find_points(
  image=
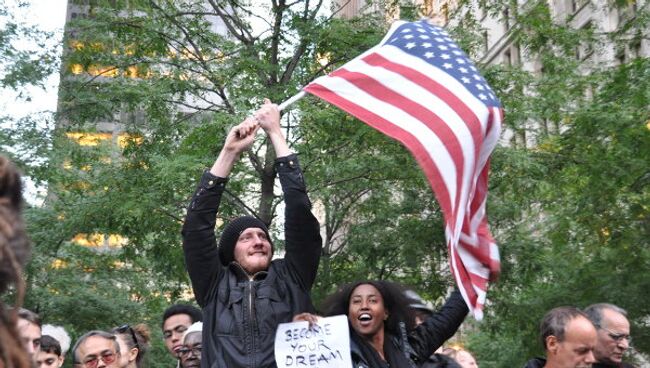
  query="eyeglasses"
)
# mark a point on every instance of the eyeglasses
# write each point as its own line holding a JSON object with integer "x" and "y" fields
{"x": 122, "y": 329}
{"x": 185, "y": 351}
{"x": 107, "y": 357}
{"x": 618, "y": 337}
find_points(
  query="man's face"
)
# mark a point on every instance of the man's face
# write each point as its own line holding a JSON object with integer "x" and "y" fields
{"x": 253, "y": 250}
{"x": 30, "y": 333}
{"x": 173, "y": 329}
{"x": 190, "y": 354}
{"x": 48, "y": 360}
{"x": 576, "y": 350}
{"x": 98, "y": 352}
{"x": 613, "y": 338}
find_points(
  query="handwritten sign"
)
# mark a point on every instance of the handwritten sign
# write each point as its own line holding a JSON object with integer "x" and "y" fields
{"x": 324, "y": 345}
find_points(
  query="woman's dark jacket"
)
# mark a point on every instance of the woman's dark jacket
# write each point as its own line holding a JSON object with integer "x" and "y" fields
{"x": 411, "y": 350}
{"x": 240, "y": 316}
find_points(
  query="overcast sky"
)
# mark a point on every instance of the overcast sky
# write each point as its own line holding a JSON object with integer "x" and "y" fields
{"x": 49, "y": 15}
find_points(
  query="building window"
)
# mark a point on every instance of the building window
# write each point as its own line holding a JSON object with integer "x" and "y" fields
{"x": 585, "y": 49}
{"x": 506, "y": 19}
{"x": 620, "y": 56}
{"x": 486, "y": 42}
{"x": 576, "y": 5}
{"x": 507, "y": 57}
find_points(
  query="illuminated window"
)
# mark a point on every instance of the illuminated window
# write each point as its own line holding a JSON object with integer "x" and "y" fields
{"x": 96, "y": 240}
{"x": 76, "y": 69}
{"x": 89, "y": 139}
{"x": 58, "y": 263}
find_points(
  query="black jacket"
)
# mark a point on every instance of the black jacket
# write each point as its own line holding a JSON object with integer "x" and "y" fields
{"x": 420, "y": 343}
{"x": 536, "y": 363}
{"x": 240, "y": 316}
{"x": 603, "y": 365}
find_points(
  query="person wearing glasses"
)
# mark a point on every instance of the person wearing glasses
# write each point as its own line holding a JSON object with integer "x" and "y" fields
{"x": 175, "y": 321}
{"x": 189, "y": 355}
{"x": 134, "y": 343}
{"x": 96, "y": 349}
{"x": 613, "y": 334}
{"x": 245, "y": 294}
{"x": 569, "y": 339}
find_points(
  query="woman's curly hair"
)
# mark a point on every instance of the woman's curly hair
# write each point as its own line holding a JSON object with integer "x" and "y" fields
{"x": 14, "y": 251}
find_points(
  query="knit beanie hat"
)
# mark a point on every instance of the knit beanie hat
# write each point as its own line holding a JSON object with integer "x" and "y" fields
{"x": 231, "y": 233}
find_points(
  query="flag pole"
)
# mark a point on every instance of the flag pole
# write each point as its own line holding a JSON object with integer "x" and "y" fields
{"x": 291, "y": 100}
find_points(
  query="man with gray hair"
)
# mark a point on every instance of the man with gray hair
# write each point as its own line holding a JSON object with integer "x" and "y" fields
{"x": 96, "y": 349}
{"x": 613, "y": 334}
{"x": 568, "y": 338}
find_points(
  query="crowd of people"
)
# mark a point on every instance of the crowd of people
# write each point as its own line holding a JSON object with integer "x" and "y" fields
{"x": 244, "y": 293}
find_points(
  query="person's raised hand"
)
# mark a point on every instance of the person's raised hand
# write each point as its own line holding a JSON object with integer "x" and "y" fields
{"x": 268, "y": 116}
{"x": 242, "y": 136}
{"x": 311, "y": 318}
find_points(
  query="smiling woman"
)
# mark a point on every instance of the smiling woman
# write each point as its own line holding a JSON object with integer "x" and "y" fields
{"x": 382, "y": 326}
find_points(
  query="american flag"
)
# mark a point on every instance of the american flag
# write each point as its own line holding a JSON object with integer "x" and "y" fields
{"x": 419, "y": 87}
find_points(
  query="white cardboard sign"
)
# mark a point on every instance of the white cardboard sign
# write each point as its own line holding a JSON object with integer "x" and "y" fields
{"x": 324, "y": 345}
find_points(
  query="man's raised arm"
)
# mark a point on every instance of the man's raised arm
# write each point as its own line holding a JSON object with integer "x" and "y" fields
{"x": 301, "y": 229}
{"x": 199, "y": 244}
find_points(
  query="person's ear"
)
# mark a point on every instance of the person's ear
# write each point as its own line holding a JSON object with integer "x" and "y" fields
{"x": 60, "y": 363}
{"x": 133, "y": 353}
{"x": 552, "y": 344}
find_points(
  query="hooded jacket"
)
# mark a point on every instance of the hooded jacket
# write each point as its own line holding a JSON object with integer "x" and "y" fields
{"x": 240, "y": 315}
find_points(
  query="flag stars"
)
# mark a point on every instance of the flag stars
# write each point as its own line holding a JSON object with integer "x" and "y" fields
{"x": 447, "y": 66}
{"x": 460, "y": 61}
{"x": 408, "y": 36}
{"x": 410, "y": 45}
{"x": 445, "y": 56}
{"x": 427, "y": 45}
{"x": 439, "y": 39}
{"x": 463, "y": 70}
{"x": 482, "y": 96}
{"x": 457, "y": 52}
{"x": 429, "y": 55}
{"x": 465, "y": 80}
{"x": 443, "y": 47}
{"x": 476, "y": 77}
{"x": 480, "y": 87}
{"x": 424, "y": 37}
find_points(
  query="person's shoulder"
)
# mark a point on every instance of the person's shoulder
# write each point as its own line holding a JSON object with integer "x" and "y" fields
{"x": 535, "y": 363}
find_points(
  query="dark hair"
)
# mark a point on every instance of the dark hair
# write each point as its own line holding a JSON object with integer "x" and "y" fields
{"x": 141, "y": 333}
{"x": 14, "y": 244}
{"x": 555, "y": 321}
{"x": 595, "y": 312}
{"x": 30, "y": 316}
{"x": 14, "y": 250}
{"x": 195, "y": 313}
{"x": 50, "y": 345}
{"x": 84, "y": 337}
{"x": 395, "y": 303}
